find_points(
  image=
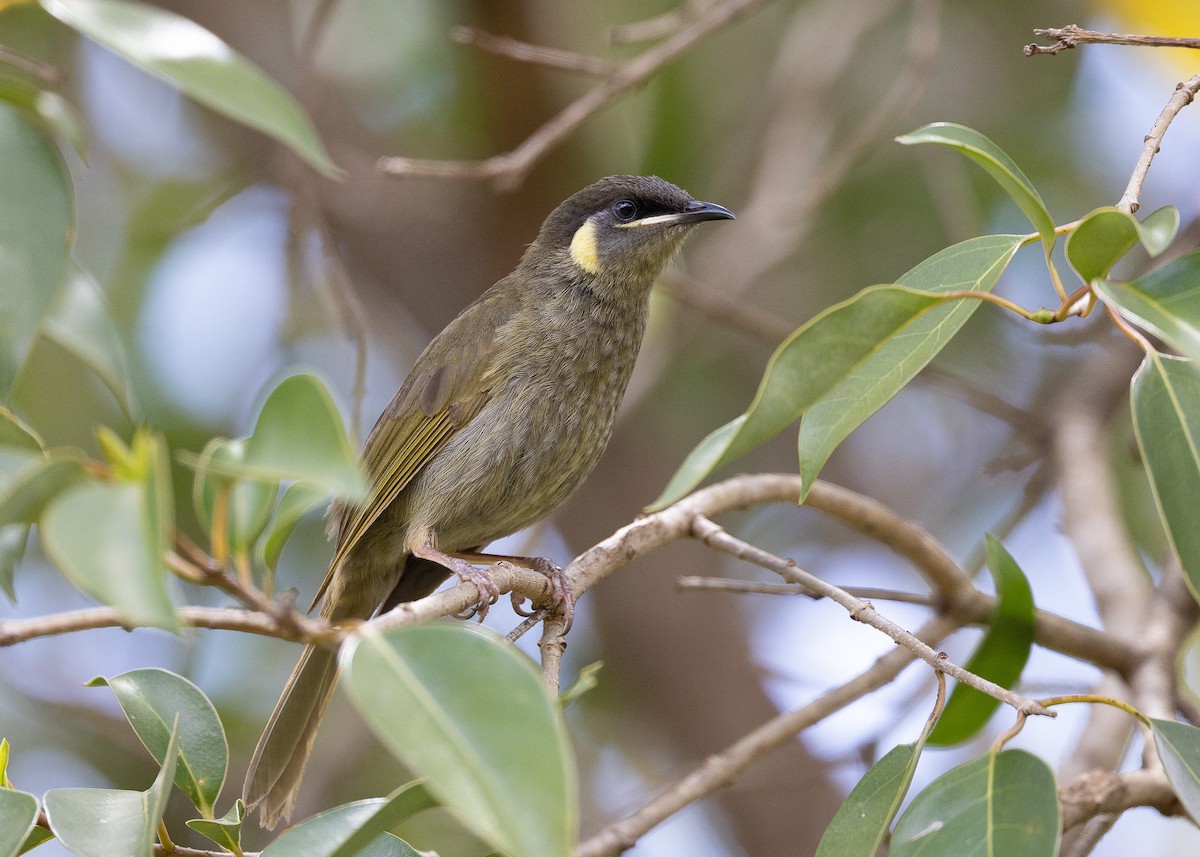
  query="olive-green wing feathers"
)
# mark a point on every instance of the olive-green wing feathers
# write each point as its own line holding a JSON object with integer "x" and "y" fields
{"x": 447, "y": 387}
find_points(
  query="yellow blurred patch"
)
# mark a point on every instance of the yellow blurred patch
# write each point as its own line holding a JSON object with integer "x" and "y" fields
{"x": 4, "y": 4}
{"x": 1159, "y": 18}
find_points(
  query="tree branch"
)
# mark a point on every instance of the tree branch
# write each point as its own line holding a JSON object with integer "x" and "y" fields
{"x": 1071, "y": 35}
{"x": 508, "y": 169}
{"x": 720, "y": 769}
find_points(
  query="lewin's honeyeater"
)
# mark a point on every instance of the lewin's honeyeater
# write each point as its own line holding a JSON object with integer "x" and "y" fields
{"x": 503, "y": 415}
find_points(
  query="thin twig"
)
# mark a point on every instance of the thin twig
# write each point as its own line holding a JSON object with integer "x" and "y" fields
{"x": 720, "y": 769}
{"x": 1071, "y": 35}
{"x": 1183, "y": 95}
{"x": 514, "y": 49}
{"x": 299, "y": 630}
{"x": 867, "y": 593}
{"x": 861, "y": 611}
{"x": 508, "y": 169}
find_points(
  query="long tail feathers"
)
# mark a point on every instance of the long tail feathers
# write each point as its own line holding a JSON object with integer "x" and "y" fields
{"x": 278, "y": 762}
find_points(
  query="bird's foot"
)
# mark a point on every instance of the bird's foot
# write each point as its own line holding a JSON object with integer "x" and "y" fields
{"x": 562, "y": 597}
{"x": 468, "y": 573}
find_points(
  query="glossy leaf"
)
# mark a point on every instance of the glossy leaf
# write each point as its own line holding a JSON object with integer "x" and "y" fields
{"x": 111, "y": 822}
{"x": 862, "y": 821}
{"x": 1000, "y": 803}
{"x": 35, "y": 229}
{"x": 78, "y": 321}
{"x": 1179, "y": 749}
{"x": 1001, "y": 655}
{"x": 1158, "y": 229}
{"x": 848, "y": 361}
{"x": 998, "y": 165}
{"x": 298, "y": 499}
{"x": 1099, "y": 242}
{"x": 152, "y": 699}
{"x": 1166, "y": 420}
{"x": 199, "y": 64}
{"x": 1105, "y": 235}
{"x": 469, "y": 714}
{"x": 1166, "y": 302}
{"x": 972, "y": 265}
{"x": 299, "y": 435}
{"x": 225, "y": 831}
{"x": 356, "y": 829}
{"x": 98, "y": 534}
{"x": 18, "y": 814}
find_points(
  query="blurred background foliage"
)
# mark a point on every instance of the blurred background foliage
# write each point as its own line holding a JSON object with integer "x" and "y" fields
{"x": 226, "y": 262}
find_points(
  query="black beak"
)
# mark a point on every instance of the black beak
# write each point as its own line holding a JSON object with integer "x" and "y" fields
{"x": 699, "y": 211}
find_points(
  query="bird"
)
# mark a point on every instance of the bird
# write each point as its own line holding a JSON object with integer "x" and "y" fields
{"x": 501, "y": 417}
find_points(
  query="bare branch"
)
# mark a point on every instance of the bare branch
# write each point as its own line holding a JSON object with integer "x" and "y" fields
{"x": 1183, "y": 95}
{"x": 1071, "y": 35}
{"x": 1100, "y": 792}
{"x": 861, "y": 611}
{"x": 535, "y": 54}
{"x": 720, "y": 769}
{"x": 510, "y": 168}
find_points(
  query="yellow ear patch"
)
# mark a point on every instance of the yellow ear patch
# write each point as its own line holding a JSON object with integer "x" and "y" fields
{"x": 584, "y": 251}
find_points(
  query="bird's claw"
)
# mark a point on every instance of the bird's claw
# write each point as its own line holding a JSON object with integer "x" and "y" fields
{"x": 489, "y": 593}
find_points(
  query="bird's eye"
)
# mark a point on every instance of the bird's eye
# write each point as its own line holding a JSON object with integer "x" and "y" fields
{"x": 624, "y": 210}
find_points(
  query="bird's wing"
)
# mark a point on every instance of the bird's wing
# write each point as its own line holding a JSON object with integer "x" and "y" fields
{"x": 448, "y": 386}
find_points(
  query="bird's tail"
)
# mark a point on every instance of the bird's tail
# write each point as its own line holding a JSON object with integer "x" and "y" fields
{"x": 278, "y": 762}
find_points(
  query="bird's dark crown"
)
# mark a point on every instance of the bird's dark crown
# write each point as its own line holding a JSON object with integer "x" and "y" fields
{"x": 650, "y": 194}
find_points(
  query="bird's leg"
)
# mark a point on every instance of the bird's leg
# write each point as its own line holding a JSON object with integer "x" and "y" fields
{"x": 461, "y": 565}
{"x": 562, "y": 597}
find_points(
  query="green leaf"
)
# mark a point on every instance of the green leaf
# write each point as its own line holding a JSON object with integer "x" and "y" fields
{"x": 296, "y": 501}
{"x": 469, "y": 713}
{"x": 18, "y": 814}
{"x": 12, "y": 549}
{"x": 584, "y": 682}
{"x": 249, "y": 501}
{"x": 998, "y": 165}
{"x": 972, "y": 265}
{"x": 1166, "y": 420}
{"x": 152, "y": 699}
{"x": 14, "y": 433}
{"x": 1001, "y": 803}
{"x": 36, "y": 837}
{"x": 1179, "y": 748}
{"x": 111, "y": 822}
{"x": 98, "y": 534}
{"x": 35, "y": 235}
{"x": 78, "y": 321}
{"x": 1105, "y": 235}
{"x": 1158, "y": 229}
{"x": 299, "y": 435}
{"x": 195, "y": 61}
{"x": 225, "y": 831}
{"x": 356, "y": 829}
{"x": 862, "y": 821}
{"x": 1001, "y": 655}
{"x": 59, "y": 115}
{"x": 848, "y": 361}
{"x": 1099, "y": 242}
{"x": 1166, "y": 302}
{"x": 28, "y": 482}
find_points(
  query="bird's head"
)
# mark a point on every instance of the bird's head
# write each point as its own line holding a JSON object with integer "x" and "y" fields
{"x": 625, "y": 227}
